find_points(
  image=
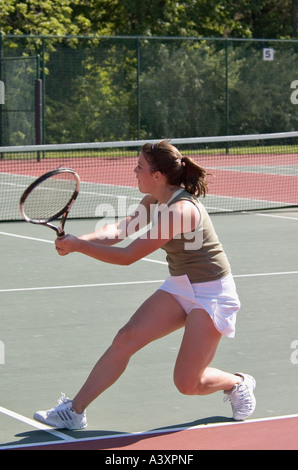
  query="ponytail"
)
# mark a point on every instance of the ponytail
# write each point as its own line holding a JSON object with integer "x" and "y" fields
{"x": 194, "y": 177}
{"x": 179, "y": 170}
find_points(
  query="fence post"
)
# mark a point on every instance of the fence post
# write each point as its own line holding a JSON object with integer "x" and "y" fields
{"x": 138, "y": 88}
{"x": 227, "y": 86}
{"x": 1, "y": 80}
{"x": 227, "y": 110}
{"x": 38, "y": 111}
{"x": 43, "y": 81}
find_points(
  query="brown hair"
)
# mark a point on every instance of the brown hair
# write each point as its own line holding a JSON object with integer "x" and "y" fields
{"x": 179, "y": 170}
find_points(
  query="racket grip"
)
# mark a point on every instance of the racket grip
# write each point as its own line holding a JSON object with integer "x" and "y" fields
{"x": 60, "y": 234}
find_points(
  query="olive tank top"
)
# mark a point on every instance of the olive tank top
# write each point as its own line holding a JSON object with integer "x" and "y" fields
{"x": 198, "y": 254}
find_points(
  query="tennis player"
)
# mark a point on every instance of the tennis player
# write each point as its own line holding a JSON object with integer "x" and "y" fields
{"x": 199, "y": 295}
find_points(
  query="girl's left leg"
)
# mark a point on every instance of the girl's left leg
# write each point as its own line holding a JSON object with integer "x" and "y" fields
{"x": 192, "y": 374}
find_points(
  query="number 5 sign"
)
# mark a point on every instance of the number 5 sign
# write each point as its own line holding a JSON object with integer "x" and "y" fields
{"x": 268, "y": 54}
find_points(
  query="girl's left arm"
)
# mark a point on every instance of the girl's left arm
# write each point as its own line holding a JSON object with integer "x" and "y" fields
{"x": 184, "y": 217}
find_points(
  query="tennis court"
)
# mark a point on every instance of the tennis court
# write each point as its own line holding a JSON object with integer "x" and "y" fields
{"x": 59, "y": 315}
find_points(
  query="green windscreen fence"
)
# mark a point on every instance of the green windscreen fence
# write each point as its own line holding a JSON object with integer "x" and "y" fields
{"x": 18, "y": 110}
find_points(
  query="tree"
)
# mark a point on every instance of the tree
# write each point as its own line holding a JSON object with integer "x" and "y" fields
{"x": 217, "y": 18}
{"x": 272, "y": 19}
{"x": 206, "y": 18}
{"x": 42, "y": 17}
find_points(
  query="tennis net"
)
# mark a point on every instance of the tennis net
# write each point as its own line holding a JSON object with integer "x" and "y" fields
{"x": 248, "y": 172}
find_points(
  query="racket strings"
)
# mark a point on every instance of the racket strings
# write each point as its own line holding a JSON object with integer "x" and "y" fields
{"x": 50, "y": 197}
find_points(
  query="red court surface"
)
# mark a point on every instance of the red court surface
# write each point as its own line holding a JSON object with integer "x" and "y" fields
{"x": 279, "y": 433}
{"x": 225, "y": 181}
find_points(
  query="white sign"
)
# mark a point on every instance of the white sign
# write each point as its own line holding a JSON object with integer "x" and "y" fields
{"x": 268, "y": 54}
{"x": 2, "y": 93}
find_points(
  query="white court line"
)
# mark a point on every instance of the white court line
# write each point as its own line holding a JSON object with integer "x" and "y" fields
{"x": 27, "y": 238}
{"x": 50, "y": 241}
{"x": 78, "y": 286}
{"x": 278, "y": 216}
{"x": 36, "y": 424}
{"x": 280, "y": 273}
{"x": 108, "y": 284}
{"x": 129, "y": 283}
{"x": 154, "y": 261}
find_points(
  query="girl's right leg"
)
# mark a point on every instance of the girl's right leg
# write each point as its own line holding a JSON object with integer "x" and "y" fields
{"x": 157, "y": 317}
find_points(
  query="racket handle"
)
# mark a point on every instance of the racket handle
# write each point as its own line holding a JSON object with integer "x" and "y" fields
{"x": 60, "y": 234}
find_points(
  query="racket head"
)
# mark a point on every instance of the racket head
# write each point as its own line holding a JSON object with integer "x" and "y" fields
{"x": 49, "y": 197}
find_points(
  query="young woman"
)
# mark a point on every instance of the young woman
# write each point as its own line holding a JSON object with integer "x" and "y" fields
{"x": 199, "y": 295}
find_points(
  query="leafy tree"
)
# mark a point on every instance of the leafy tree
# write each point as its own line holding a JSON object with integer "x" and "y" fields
{"x": 41, "y": 17}
{"x": 217, "y": 18}
{"x": 242, "y": 18}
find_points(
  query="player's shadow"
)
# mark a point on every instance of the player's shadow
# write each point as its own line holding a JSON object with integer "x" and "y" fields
{"x": 104, "y": 439}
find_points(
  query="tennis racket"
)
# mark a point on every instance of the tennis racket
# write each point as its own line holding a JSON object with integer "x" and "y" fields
{"x": 50, "y": 197}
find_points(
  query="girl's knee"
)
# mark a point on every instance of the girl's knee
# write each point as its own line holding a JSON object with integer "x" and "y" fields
{"x": 123, "y": 336}
{"x": 126, "y": 340}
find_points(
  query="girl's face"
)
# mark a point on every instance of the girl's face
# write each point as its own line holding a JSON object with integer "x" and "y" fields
{"x": 144, "y": 175}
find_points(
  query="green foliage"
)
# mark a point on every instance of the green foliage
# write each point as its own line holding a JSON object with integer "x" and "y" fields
{"x": 41, "y": 17}
{"x": 244, "y": 18}
{"x": 150, "y": 83}
{"x": 99, "y": 98}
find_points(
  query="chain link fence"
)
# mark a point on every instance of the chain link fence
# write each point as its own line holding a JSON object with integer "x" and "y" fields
{"x": 125, "y": 88}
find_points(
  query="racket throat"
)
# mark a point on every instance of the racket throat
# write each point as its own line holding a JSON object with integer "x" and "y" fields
{"x": 59, "y": 230}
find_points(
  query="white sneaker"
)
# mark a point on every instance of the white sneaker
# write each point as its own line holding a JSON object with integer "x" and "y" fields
{"x": 242, "y": 397}
{"x": 62, "y": 416}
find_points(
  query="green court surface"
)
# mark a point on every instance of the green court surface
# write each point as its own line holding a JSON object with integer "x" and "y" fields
{"x": 59, "y": 314}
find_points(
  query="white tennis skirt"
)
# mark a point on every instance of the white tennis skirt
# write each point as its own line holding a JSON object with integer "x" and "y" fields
{"x": 218, "y": 298}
